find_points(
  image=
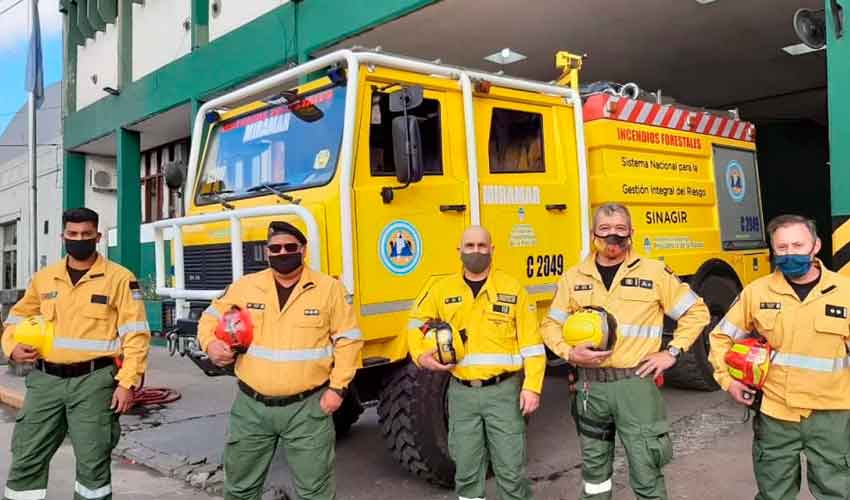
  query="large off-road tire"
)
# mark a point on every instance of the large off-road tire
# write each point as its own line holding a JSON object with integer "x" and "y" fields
{"x": 348, "y": 413}
{"x": 693, "y": 370}
{"x": 414, "y": 422}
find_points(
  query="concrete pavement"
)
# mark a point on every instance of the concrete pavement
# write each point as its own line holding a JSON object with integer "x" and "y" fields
{"x": 185, "y": 441}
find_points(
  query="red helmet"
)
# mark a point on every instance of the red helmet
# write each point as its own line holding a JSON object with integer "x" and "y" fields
{"x": 748, "y": 361}
{"x": 235, "y": 329}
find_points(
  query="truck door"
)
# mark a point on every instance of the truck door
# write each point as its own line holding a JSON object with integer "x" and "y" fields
{"x": 402, "y": 243}
{"x": 529, "y": 189}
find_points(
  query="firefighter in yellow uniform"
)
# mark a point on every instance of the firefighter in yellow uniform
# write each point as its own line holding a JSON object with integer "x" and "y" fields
{"x": 801, "y": 309}
{"x": 95, "y": 307}
{"x": 616, "y": 389}
{"x": 487, "y": 396}
{"x": 294, "y": 375}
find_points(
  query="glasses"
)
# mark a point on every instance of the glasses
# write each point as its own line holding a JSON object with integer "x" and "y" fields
{"x": 289, "y": 247}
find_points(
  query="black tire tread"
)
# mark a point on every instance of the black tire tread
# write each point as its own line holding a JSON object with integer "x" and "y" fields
{"x": 409, "y": 425}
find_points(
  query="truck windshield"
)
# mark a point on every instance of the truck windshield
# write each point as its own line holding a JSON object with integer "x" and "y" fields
{"x": 274, "y": 149}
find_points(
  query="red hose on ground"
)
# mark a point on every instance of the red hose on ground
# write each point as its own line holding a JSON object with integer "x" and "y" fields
{"x": 151, "y": 396}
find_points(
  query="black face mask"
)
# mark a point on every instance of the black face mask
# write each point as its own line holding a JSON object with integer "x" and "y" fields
{"x": 286, "y": 263}
{"x": 80, "y": 249}
{"x": 613, "y": 239}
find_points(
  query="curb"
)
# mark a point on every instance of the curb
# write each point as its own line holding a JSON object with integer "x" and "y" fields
{"x": 11, "y": 397}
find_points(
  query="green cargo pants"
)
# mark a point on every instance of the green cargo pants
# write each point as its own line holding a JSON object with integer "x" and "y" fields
{"x": 825, "y": 439}
{"x": 302, "y": 428}
{"x": 635, "y": 409}
{"x": 486, "y": 425}
{"x": 53, "y": 408}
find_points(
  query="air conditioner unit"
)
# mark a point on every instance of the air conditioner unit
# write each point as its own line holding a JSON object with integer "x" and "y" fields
{"x": 103, "y": 179}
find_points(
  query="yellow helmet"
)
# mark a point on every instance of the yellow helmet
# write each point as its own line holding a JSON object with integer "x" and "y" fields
{"x": 449, "y": 344}
{"x": 593, "y": 325}
{"x": 37, "y": 333}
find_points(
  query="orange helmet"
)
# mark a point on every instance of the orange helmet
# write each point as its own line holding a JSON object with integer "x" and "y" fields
{"x": 748, "y": 361}
{"x": 235, "y": 329}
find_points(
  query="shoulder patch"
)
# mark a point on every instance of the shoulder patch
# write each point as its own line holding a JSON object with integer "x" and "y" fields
{"x": 836, "y": 311}
{"x": 770, "y": 305}
{"x": 583, "y": 288}
{"x": 453, "y": 300}
{"x": 506, "y": 298}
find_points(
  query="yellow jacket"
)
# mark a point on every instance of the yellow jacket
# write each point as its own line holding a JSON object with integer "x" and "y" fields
{"x": 500, "y": 324}
{"x": 314, "y": 339}
{"x": 810, "y": 368}
{"x": 102, "y": 316}
{"x": 642, "y": 293}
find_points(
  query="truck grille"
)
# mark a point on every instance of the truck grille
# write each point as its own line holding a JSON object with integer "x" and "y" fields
{"x": 207, "y": 267}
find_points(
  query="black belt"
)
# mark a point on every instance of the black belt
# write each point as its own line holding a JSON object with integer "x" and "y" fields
{"x": 606, "y": 374}
{"x": 278, "y": 400}
{"x": 71, "y": 370}
{"x": 490, "y": 381}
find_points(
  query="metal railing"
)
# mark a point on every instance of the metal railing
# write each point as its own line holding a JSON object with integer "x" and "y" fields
{"x": 179, "y": 291}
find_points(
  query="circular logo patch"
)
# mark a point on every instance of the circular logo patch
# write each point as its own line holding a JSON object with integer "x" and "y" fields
{"x": 736, "y": 183}
{"x": 400, "y": 247}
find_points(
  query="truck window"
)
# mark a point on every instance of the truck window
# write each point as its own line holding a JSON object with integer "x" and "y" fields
{"x": 516, "y": 142}
{"x": 273, "y": 146}
{"x": 381, "y": 157}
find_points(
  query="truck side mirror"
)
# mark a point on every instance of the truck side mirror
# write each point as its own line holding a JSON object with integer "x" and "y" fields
{"x": 407, "y": 149}
{"x": 175, "y": 176}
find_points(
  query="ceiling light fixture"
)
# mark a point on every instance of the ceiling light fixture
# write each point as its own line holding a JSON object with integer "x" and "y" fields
{"x": 505, "y": 56}
{"x": 800, "y": 49}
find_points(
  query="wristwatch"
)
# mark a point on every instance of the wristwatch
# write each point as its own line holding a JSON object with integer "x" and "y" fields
{"x": 674, "y": 351}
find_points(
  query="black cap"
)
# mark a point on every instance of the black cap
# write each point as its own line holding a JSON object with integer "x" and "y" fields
{"x": 280, "y": 227}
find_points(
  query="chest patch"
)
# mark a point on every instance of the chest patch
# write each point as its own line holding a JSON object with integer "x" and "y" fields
{"x": 770, "y": 305}
{"x": 311, "y": 312}
{"x": 453, "y": 300}
{"x": 49, "y": 295}
{"x": 99, "y": 299}
{"x": 506, "y": 298}
{"x": 836, "y": 311}
{"x": 501, "y": 309}
{"x": 583, "y": 288}
{"x": 637, "y": 283}
{"x": 255, "y": 305}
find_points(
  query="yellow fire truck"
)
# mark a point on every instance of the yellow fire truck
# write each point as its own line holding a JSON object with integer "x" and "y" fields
{"x": 383, "y": 160}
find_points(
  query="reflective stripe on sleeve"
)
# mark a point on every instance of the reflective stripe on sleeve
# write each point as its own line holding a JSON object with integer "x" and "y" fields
{"x": 13, "y": 320}
{"x": 415, "y": 323}
{"x": 212, "y": 311}
{"x": 353, "y": 334}
{"x": 557, "y": 315}
{"x": 532, "y": 351}
{"x": 138, "y": 326}
{"x": 683, "y": 306}
{"x": 731, "y": 330}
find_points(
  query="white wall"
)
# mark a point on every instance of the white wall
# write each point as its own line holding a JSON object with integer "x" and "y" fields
{"x": 15, "y": 202}
{"x": 104, "y": 203}
{"x": 99, "y": 56}
{"x": 235, "y": 13}
{"x": 158, "y": 34}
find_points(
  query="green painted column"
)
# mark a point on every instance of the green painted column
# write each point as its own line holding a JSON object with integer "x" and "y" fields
{"x": 838, "y": 77}
{"x": 200, "y": 23}
{"x": 73, "y": 180}
{"x": 129, "y": 253}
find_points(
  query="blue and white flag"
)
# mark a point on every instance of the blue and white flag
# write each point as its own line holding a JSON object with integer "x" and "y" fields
{"x": 35, "y": 71}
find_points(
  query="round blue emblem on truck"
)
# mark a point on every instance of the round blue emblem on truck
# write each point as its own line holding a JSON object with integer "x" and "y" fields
{"x": 736, "y": 183}
{"x": 400, "y": 247}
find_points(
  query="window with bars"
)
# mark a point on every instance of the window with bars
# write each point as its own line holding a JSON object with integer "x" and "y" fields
{"x": 158, "y": 201}
{"x": 9, "y": 234}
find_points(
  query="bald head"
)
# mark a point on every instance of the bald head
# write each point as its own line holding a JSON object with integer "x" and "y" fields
{"x": 476, "y": 239}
